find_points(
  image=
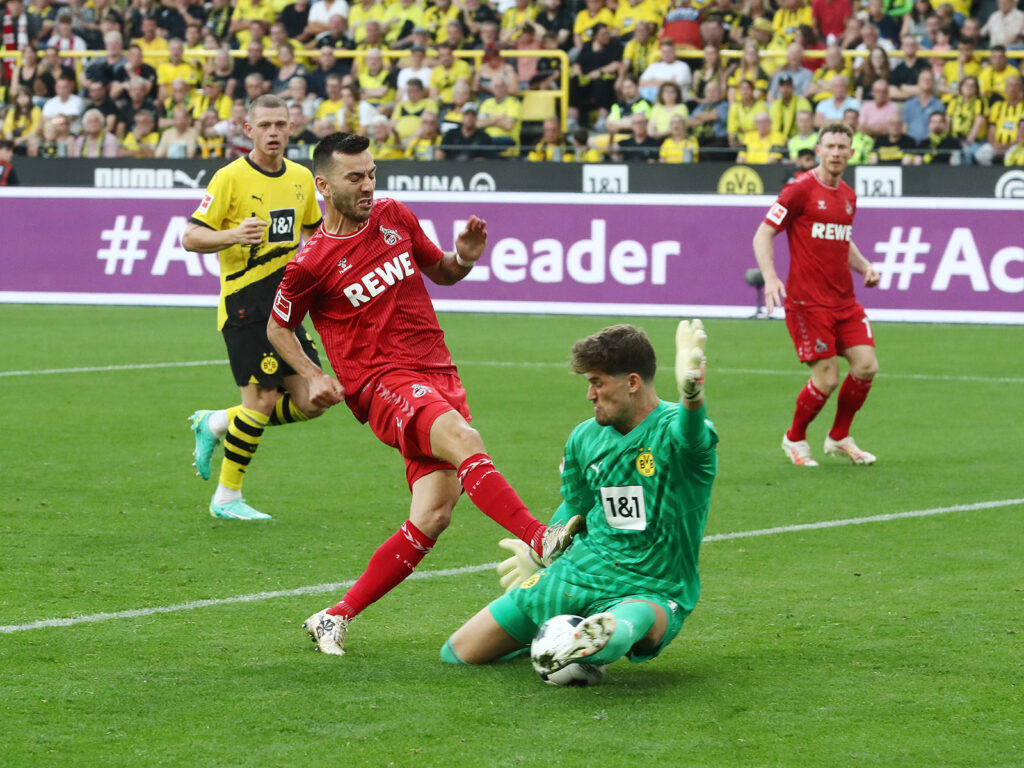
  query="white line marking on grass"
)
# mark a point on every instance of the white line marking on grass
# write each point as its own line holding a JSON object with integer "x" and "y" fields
{"x": 795, "y": 372}
{"x": 102, "y": 368}
{"x": 338, "y": 586}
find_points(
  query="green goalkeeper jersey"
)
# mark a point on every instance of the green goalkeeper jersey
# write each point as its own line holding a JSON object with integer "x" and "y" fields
{"x": 645, "y": 496}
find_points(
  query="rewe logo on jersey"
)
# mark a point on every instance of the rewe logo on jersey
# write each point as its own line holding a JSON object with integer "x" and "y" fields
{"x": 380, "y": 279}
{"x": 831, "y": 231}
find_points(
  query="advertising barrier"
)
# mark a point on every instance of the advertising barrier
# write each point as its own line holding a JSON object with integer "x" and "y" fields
{"x": 947, "y": 260}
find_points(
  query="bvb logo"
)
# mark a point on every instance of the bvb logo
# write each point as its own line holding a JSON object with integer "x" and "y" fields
{"x": 645, "y": 463}
{"x": 740, "y": 180}
{"x": 531, "y": 581}
{"x": 268, "y": 364}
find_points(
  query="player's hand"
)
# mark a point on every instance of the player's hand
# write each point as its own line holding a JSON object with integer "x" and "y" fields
{"x": 250, "y": 231}
{"x": 690, "y": 360}
{"x": 774, "y": 293}
{"x": 472, "y": 240}
{"x": 518, "y": 568}
{"x": 325, "y": 391}
{"x": 871, "y": 277}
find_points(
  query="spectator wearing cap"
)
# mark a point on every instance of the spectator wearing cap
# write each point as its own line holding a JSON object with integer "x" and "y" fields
{"x": 210, "y": 97}
{"x": 784, "y": 109}
{"x": 408, "y": 113}
{"x": 668, "y": 67}
{"x": 447, "y": 72}
{"x": 467, "y": 141}
{"x": 794, "y": 69}
{"x": 149, "y": 42}
{"x": 491, "y": 69}
{"x": 451, "y": 114}
{"x": 320, "y": 14}
{"x": 414, "y": 67}
{"x": 400, "y": 19}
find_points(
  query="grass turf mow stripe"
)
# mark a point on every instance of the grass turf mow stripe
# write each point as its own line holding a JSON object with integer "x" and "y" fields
{"x": 511, "y": 364}
{"x": 441, "y": 573}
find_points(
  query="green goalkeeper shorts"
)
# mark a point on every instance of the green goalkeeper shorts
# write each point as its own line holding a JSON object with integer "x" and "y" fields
{"x": 521, "y": 611}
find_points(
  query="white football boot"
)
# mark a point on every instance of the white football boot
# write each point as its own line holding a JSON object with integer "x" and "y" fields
{"x": 846, "y": 447}
{"x": 799, "y": 452}
{"x": 328, "y": 632}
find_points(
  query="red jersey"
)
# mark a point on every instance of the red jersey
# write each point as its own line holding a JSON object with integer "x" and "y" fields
{"x": 366, "y": 296}
{"x": 818, "y": 220}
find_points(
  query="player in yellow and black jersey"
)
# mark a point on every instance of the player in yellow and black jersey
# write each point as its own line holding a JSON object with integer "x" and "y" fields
{"x": 253, "y": 215}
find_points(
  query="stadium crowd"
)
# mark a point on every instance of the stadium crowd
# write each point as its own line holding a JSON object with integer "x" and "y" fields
{"x": 672, "y": 81}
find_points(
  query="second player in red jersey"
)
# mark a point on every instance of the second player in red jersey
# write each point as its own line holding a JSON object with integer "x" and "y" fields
{"x": 822, "y": 313}
{"x": 360, "y": 278}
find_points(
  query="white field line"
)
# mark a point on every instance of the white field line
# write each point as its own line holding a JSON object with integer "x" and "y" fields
{"x": 441, "y": 573}
{"x": 796, "y": 371}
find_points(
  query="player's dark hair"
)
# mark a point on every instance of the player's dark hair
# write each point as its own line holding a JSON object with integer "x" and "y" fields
{"x": 617, "y": 351}
{"x": 345, "y": 143}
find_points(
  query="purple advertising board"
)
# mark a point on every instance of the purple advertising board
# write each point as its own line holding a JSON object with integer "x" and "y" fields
{"x": 945, "y": 260}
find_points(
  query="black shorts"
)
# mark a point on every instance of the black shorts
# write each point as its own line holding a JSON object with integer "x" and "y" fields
{"x": 253, "y": 358}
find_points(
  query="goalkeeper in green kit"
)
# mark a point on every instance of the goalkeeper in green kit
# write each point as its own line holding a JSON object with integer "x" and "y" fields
{"x": 640, "y": 472}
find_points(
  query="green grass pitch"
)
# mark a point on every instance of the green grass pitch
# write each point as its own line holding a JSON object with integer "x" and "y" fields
{"x": 888, "y": 643}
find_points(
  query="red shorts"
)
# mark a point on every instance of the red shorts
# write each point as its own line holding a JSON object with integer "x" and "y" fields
{"x": 819, "y": 333}
{"x": 403, "y": 408}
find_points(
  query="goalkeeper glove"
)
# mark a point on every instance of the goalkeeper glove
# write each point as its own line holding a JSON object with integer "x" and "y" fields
{"x": 518, "y": 568}
{"x": 690, "y": 360}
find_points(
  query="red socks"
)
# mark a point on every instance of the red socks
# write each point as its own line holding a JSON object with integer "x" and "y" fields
{"x": 852, "y": 395}
{"x": 808, "y": 403}
{"x": 390, "y": 565}
{"x": 490, "y": 491}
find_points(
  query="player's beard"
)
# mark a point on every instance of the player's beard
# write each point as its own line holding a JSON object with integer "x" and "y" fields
{"x": 347, "y": 207}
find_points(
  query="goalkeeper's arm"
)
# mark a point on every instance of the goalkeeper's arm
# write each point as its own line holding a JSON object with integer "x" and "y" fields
{"x": 696, "y": 432}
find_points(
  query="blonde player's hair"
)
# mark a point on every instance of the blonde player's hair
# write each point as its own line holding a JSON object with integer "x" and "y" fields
{"x": 836, "y": 126}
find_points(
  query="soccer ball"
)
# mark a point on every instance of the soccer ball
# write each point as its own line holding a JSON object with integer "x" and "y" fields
{"x": 553, "y": 633}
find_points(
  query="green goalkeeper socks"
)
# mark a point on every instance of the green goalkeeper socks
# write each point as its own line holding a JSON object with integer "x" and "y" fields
{"x": 633, "y": 619}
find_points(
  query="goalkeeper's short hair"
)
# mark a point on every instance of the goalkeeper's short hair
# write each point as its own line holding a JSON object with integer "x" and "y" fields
{"x": 617, "y": 350}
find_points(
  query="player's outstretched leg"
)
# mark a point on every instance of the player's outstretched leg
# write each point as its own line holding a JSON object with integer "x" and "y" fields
{"x": 558, "y": 537}
{"x": 206, "y": 441}
{"x": 328, "y": 632}
{"x": 848, "y": 448}
{"x": 591, "y": 636}
{"x": 798, "y": 452}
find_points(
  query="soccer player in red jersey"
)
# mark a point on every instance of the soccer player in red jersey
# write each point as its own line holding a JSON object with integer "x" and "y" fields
{"x": 823, "y": 316}
{"x": 360, "y": 278}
